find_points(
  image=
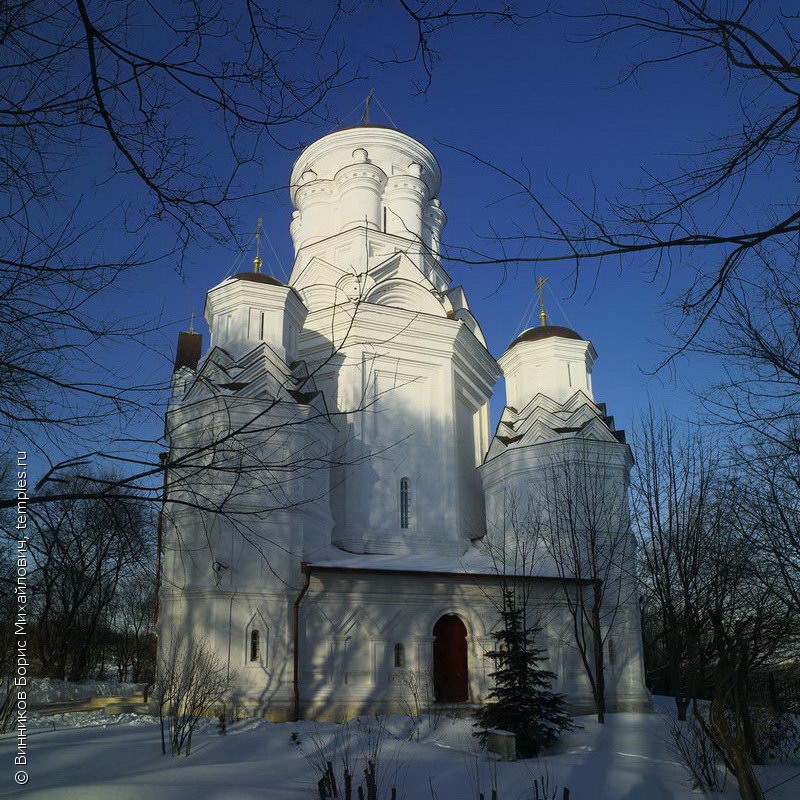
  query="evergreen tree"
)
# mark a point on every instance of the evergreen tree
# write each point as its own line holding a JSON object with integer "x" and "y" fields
{"x": 522, "y": 701}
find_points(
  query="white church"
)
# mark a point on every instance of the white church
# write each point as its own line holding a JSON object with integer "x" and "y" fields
{"x": 338, "y": 516}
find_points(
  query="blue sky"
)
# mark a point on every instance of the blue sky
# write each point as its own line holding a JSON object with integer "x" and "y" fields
{"x": 511, "y": 95}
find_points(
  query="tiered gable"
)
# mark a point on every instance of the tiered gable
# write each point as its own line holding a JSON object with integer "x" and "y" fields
{"x": 260, "y": 374}
{"x": 544, "y": 420}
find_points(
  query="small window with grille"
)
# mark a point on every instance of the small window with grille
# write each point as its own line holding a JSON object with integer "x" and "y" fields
{"x": 255, "y": 645}
{"x": 405, "y": 503}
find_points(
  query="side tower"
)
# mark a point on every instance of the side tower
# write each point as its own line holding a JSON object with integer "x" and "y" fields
{"x": 246, "y": 494}
{"x": 556, "y": 483}
{"x": 400, "y": 357}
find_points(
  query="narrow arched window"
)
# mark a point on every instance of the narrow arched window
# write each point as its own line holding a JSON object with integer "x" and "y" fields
{"x": 255, "y": 646}
{"x": 399, "y": 656}
{"x": 405, "y": 503}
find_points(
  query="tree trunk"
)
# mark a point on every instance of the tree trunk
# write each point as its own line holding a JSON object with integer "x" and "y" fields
{"x": 736, "y": 750}
{"x": 682, "y": 704}
{"x": 599, "y": 667}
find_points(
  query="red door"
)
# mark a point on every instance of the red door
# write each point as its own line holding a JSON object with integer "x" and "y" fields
{"x": 450, "y": 683}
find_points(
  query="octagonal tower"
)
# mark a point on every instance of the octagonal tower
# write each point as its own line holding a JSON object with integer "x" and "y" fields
{"x": 368, "y": 176}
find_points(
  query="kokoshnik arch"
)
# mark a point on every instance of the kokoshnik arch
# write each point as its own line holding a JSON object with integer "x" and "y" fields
{"x": 335, "y": 488}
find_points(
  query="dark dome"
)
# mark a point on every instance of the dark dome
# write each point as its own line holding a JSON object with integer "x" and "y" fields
{"x": 257, "y": 277}
{"x": 545, "y": 332}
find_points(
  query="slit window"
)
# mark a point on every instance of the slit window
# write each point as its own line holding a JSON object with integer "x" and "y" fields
{"x": 255, "y": 646}
{"x": 405, "y": 503}
{"x": 399, "y": 656}
{"x": 261, "y": 327}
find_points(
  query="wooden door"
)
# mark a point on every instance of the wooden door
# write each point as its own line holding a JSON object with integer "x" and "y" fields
{"x": 450, "y": 680}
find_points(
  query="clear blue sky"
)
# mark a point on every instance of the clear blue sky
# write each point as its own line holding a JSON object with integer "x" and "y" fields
{"x": 510, "y": 95}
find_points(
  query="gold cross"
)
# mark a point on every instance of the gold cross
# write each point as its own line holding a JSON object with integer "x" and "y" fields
{"x": 540, "y": 288}
{"x": 257, "y": 262}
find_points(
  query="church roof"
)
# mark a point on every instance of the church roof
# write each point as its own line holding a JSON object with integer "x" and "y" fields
{"x": 545, "y": 332}
{"x": 475, "y": 562}
{"x": 189, "y": 348}
{"x": 544, "y": 420}
{"x": 257, "y": 277}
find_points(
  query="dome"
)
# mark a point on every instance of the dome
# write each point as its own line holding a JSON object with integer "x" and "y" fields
{"x": 545, "y": 332}
{"x": 257, "y": 277}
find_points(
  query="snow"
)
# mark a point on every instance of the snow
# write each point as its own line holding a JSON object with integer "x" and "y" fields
{"x": 86, "y": 719}
{"x": 473, "y": 562}
{"x": 51, "y": 690}
{"x": 94, "y": 756}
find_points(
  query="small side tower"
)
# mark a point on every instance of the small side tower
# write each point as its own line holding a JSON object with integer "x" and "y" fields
{"x": 550, "y": 360}
{"x": 556, "y": 475}
{"x": 246, "y": 489}
{"x": 252, "y": 307}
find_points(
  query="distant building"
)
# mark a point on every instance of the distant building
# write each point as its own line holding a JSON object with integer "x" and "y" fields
{"x": 335, "y": 489}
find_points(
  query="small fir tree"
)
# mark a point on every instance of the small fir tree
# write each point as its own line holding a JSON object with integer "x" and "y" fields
{"x": 521, "y": 701}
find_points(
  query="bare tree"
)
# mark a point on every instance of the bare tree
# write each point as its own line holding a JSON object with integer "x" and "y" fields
{"x": 132, "y": 637}
{"x": 82, "y": 551}
{"x": 514, "y": 544}
{"x": 417, "y": 697}
{"x": 699, "y": 215}
{"x": 107, "y": 96}
{"x": 591, "y": 547}
{"x": 770, "y": 517}
{"x": 429, "y": 19}
{"x": 104, "y": 101}
{"x": 191, "y": 683}
{"x": 695, "y": 749}
{"x": 756, "y": 335}
{"x": 710, "y": 595}
{"x": 673, "y": 510}
{"x": 8, "y": 641}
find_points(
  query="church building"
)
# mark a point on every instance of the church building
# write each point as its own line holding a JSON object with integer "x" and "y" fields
{"x": 339, "y": 519}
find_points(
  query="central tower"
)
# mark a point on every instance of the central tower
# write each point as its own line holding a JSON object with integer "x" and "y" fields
{"x": 367, "y": 176}
{"x": 399, "y": 356}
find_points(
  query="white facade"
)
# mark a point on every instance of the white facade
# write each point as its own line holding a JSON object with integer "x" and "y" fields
{"x": 335, "y": 486}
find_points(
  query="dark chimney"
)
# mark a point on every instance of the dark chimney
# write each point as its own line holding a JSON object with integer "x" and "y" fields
{"x": 188, "y": 352}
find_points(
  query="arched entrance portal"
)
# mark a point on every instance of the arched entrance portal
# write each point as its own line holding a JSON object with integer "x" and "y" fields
{"x": 450, "y": 680}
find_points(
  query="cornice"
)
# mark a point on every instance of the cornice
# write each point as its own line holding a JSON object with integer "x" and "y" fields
{"x": 535, "y": 454}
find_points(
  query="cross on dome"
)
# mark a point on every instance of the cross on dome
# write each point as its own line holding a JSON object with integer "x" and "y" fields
{"x": 542, "y": 313}
{"x": 257, "y": 262}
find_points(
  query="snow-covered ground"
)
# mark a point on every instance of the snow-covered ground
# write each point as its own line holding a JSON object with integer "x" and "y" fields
{"x": 92, "y": 756}
{"x": 50, "y": 690}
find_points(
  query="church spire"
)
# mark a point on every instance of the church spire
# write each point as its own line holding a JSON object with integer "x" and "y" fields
{"x": 257, "y": 262}
{"x": 542, "y": 313}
